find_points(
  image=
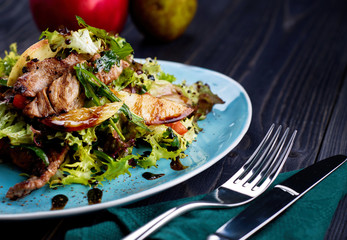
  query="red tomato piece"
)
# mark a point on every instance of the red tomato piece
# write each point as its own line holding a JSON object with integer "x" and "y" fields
{"x": 19, "y": 101}
{"x": 178, "y": 127}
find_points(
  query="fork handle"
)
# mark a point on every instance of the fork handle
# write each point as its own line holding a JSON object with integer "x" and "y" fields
{"x": 165, "y": 217}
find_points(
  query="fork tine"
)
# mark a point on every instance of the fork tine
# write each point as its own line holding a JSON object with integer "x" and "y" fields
{"x": 259, "y": 164}
{"x": 256, "y": 161}
{"x": 253, "y": 158}
{"x": 281, "y": 160}
{"x": 259, "y": 159}
{"x": 261, "y": 145}
{"x": 268, "y": 161}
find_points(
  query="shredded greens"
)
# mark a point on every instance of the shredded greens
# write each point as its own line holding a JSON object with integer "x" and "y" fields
{"x": 80, "y": 41}
{"x": 117, "y": 44}
{"x": 13, "y": 127}
{"x": 7, "y": 63}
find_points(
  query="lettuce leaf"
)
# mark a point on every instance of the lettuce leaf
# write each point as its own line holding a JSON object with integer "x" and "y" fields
{"x": 167, "y": 144}
{"x": 203, "y": 99}
{"x": 127, "y": 77}
{"x": 167, "y": 77}
{"x": 80, "y": 41}
{"x": 117, "y": 44}
{"x": 83, "y": 165}
{"x": 86, "y": 166}
{"x": 10, "y": 59}
{"x": 81, "y": 171}
{"x": 115, "y": 168}
{"x": 157, "y": 153}
{"x": 14, "y": 128}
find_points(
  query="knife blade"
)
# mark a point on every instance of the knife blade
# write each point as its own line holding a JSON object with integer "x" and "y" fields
{"x": 268, "y": 206}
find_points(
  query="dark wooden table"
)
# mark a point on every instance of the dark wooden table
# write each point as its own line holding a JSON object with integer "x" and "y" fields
{"x": 289, "y": 55}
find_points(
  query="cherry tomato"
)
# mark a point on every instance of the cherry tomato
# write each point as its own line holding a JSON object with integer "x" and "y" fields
{"x": 178, "y": 127}
{"x": 110, "y": 15}
{"x": 19, "y": 101}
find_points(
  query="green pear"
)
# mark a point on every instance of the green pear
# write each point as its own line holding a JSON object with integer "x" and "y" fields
{"x": 163, "y": 20}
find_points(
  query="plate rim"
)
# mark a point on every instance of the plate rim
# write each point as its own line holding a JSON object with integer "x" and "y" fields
{"x": 151, "y": 191}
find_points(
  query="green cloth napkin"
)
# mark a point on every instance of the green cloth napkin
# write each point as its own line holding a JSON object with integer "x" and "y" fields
{"x": 308, "y": 218}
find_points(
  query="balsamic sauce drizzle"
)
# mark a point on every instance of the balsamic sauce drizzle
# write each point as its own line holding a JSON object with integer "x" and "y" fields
{"x": 177, "y": 165}
{"x": 59, "y": 201}
{"x": 94, "y": 196}
{"x": 152, "y": 176}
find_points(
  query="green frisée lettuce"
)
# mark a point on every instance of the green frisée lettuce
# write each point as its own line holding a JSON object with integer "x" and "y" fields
{"x": 7, "y": 63}
{"x": 149, "y": 79}
{"x": 88, "y": 165}
{"x": 81, "y": 166}
{"x": 88, "y": 40}
{"x": 203, "y": 99}
{"x": 114, "y": 168}
{"x": 117, "y": 44}
{"x": 13, "y": 127}
{"x": 166, "y": 143}
{"x": 80, "y": 41}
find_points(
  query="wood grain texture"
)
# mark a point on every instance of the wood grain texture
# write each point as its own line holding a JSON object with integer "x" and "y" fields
{"x": 289, "y": 55}
{"x": 337, "y": 229}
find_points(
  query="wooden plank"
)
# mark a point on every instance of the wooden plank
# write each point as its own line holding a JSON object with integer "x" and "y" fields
{"x": 338, "y": 226}
{"x": 335, "y": 139}
{"x": 201, "y": 29}
{"x": 17, "y": 25}
{"x": 299, "y": 43}
{"x": 335, "y": 142}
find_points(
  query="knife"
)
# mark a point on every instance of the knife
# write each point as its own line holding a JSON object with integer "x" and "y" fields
{"x": 268, "y": 206}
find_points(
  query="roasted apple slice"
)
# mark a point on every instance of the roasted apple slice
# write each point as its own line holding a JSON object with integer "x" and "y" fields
{"x": 82, "y": 118}
{"x": 154, "y": 110}
{"x": 40, "y": 50}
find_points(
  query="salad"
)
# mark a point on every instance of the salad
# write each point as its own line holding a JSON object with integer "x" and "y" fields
{"x": 75, "y": 108}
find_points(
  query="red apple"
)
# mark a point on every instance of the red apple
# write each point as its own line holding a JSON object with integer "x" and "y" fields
{"x": 110, "y": 15}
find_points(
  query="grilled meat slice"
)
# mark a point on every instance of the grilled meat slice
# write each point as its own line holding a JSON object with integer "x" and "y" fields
{"x": 51, "y": 87}
{"x": 40, "y": 74}
{"x": 40, "y": 106}
{"x": 73, "y": 59}
{"x": 65, "y": 94}
{"x": 56, "y": 157}
{"x": 51, "y": 83}
{"x": 115, "y": 71}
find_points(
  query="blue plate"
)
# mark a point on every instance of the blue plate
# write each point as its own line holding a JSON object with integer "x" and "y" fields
{"x": 223, "y": 130}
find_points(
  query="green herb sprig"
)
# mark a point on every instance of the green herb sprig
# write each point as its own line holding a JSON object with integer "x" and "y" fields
{"x": 93, "y": 85}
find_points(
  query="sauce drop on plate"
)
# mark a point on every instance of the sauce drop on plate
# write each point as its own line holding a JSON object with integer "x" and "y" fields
{"x": 59, "y": 201}
{"x": 94, "y": 196}
{"x": 177, "y": 165}
{"x": 152, "y": 176}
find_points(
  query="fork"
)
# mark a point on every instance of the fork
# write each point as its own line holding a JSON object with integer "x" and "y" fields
{"x": 254, "y": 177}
